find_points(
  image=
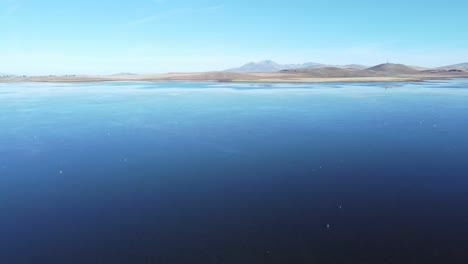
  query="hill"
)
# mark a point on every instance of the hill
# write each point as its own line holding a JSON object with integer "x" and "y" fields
{"x": 393, "y": 69}
{"x": 270, "y": 66}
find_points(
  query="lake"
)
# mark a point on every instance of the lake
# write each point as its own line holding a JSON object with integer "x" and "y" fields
{"x": 141, "y": 172}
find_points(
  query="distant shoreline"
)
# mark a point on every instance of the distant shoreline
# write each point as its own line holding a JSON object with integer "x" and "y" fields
{"x": 204, "y": 77}
{"x": 387, "y": 72}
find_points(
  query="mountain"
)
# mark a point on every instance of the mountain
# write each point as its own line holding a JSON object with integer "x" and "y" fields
{"x": 271, "y": 66}
{"x": 461, "y": 66}
{"x": 394, "y": 69}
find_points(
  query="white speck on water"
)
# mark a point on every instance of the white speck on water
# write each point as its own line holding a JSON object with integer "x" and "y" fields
{"x": 61, "y": 172}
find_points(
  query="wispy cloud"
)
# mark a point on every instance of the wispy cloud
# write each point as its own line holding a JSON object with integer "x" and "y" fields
{"x": 173, "y": 13}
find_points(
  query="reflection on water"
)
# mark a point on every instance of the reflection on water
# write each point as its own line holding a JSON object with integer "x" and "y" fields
{"x": 138, "y": 172}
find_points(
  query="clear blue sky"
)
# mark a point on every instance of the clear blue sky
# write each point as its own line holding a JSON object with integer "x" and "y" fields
{"x": 145, "y": 36}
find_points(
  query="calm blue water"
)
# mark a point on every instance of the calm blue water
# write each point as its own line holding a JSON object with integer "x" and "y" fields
{"x": 182, "y": 173}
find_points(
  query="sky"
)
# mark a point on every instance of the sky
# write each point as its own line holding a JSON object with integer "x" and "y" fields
{"x": 155, "y": 36}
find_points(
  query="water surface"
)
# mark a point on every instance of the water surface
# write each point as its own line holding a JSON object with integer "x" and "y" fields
{"x": 180, "y": 173}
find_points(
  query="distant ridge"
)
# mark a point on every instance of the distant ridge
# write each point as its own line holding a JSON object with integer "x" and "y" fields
{"x": 331, "y": 72}
{"x": 460, "y": 66}
{"x": 271, "y": 66}
{"x": 349, "y": 66}
{"x": 354, "y": 66}
{"x": 124, "y": 74}
{"x": 6, "y": 75}
{"x": 211, "y": 76}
